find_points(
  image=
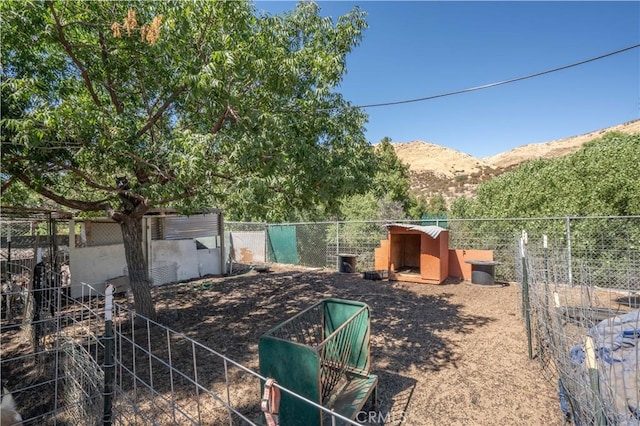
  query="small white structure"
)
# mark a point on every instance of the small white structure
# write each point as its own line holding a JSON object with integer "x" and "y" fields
{"x": 176, "y": 247}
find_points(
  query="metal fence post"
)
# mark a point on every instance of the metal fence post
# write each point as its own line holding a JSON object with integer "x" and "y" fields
{"x": 525, "y": 295}
{"x": 337, "y": 246}
{"x": 267, "y": 253}
{"x": 545, "y": 246}
{"x": 569, "y": 270}
{"x": 108, "y": 366}
{"x": 9, "y": 266}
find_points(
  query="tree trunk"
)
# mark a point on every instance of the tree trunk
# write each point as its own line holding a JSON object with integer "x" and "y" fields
{"x": 137, "y": 266}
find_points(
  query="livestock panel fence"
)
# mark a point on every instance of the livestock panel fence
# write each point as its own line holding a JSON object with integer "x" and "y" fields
{"x": 97, "y": 361}
{"x": 580, "y": 304}
{"x": 52, "y": 354}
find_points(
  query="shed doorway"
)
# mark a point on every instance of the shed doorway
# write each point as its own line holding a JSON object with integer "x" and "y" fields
{"x": 414, "y": 253}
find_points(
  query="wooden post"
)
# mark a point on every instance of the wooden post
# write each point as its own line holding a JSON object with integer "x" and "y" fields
{"x": 594, "y": 379}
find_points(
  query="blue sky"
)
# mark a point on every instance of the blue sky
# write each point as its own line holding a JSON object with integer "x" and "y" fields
{"x": 417, "y": 49}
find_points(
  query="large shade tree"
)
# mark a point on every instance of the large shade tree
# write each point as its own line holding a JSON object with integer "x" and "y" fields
{"x": 120, "y": 107}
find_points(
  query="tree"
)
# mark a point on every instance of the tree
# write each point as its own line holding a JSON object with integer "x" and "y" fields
{"x": 369, "y": 207}
{"x": 602, "y": 178}
{"x": 420, "y": 207}
{"x": 437, "y": 205}
{"x": 120, "y": 107}
{"x": 392, "y": 176}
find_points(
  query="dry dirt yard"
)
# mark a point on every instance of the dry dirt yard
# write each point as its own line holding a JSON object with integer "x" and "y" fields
{"x": 453, "y": 354}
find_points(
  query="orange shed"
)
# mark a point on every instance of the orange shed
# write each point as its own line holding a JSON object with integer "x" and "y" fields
{"x": 414, "y": 253}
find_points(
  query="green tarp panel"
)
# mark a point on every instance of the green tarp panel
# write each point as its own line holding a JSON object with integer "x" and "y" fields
{"x": 283, "y": 246}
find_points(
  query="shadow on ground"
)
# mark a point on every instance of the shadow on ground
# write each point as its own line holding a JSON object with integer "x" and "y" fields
{"x": 231, "y": 314}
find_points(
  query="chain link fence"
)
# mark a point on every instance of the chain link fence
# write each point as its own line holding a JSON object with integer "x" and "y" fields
{"x": 611, "y": 243}
{"x": 313, "y": 244}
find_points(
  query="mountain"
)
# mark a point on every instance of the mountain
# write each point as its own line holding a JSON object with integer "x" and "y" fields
{"x": 556, "y": 148}
{"x": 436, "y": 169}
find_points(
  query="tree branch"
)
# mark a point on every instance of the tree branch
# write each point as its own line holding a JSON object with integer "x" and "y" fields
{"x": 89, "y": 206}
{"x": 229, "y": 113}
{"x": 109, "y": 83}
{"x": 143, "y": 92}
{"x": 74, "y": 58}
{"x": 85, "y": 178}
{"x": 82, "y": 46}
{"x": 215, "y": 129}
{"x": 187, "y": 194}
{"x": 199, "y": 46}
{"x": 92, "y": 184}
{"x": 6, "y": 184}
{"x": 84, "y": 24}
{"x": 224, "y": 177}
{"x": 163, "y": 175}
{"x": 190, "y": 192}
{"x": 167, "y": 103}
{"x": 19, "y": 170}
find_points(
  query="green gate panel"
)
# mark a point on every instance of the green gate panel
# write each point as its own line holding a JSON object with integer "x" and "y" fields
{"x": 323, "y": 355}
{"x": 338, "y": 312}
{"x": 283, "y": 246}
{"x": 296, "y": 368}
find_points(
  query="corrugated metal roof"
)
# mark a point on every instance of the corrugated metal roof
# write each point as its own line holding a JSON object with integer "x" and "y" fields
{"x": 181, "y": 227}
{"x": 431, "y": 230}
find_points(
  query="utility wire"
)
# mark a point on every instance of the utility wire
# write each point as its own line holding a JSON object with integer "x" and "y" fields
{"x": 486, "y": 86}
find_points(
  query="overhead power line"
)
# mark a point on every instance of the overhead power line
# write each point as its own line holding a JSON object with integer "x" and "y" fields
{"x": 486, "y": 86}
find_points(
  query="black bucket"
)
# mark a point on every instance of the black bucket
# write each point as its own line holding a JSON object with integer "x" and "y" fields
{"x": 375, "y": 275}
{"x": 347, "y": 263}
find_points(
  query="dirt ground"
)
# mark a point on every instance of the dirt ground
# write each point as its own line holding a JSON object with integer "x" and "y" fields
{"x": 451, "y": 354}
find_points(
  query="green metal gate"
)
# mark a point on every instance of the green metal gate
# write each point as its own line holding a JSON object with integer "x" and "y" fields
{"x": 322, "y": 354}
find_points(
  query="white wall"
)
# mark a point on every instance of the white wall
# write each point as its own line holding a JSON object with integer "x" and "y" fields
{"x": 182, "y": 252}
{"x": 248, "y": 246}
{"x": 209, "y": 262}
{"x": 191, "y": 262}
{"x": 94, "y": 265}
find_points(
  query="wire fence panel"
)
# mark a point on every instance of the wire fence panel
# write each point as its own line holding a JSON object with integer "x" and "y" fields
{"x": 163, "y": 377}
{"x": 607, "y": 250}
{"x": 51, "y": 354}
{"x": 586, "y": 328}
{"x": 88, "y": 367}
